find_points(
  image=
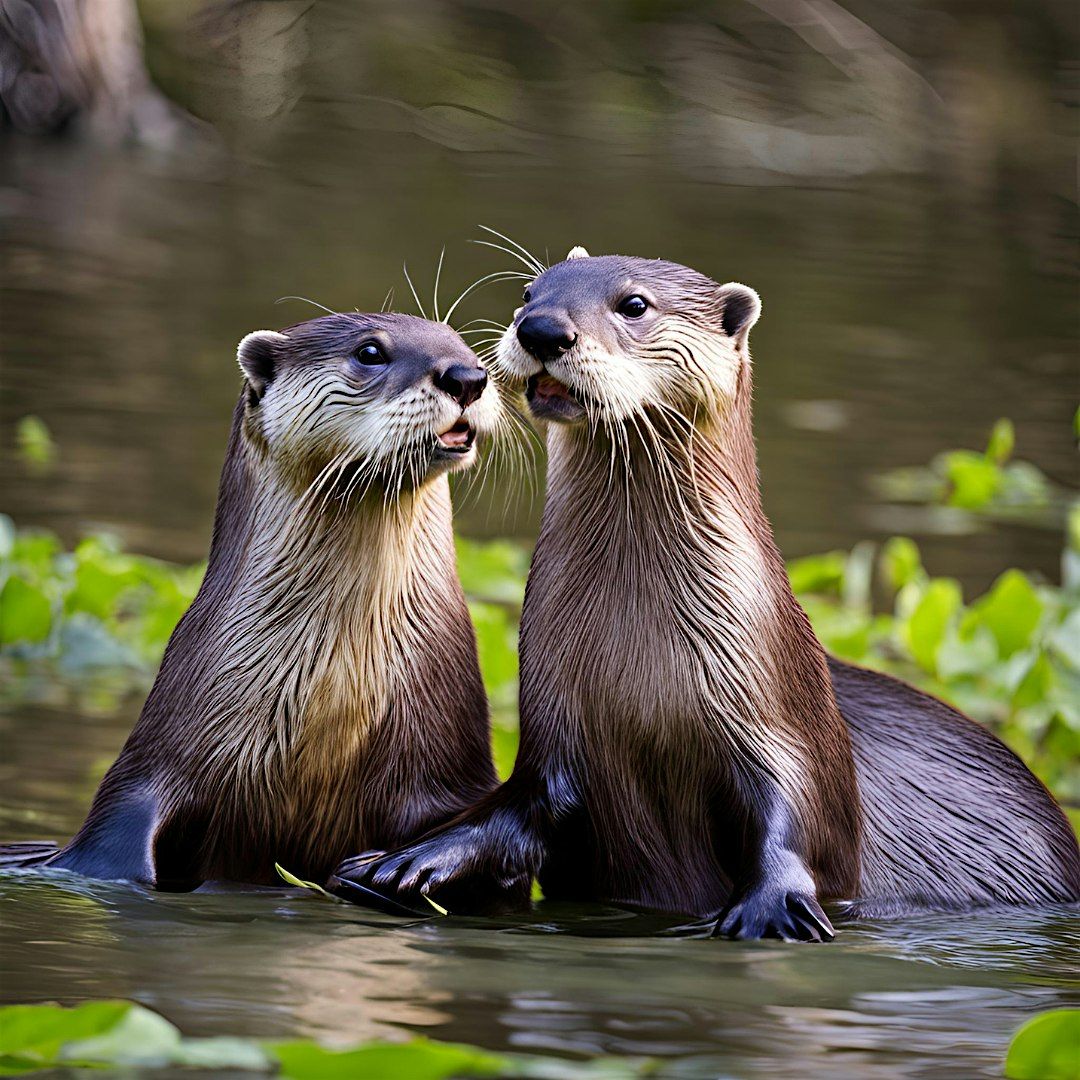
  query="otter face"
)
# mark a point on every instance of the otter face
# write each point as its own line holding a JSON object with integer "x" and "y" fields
{"x": 604, "y": 339}
{"x": 393, "y": 398}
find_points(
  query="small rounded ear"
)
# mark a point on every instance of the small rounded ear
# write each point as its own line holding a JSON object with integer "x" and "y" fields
{"x": 257, "y": 355}
{"x": 577, "y": 253}
{"x": 742, "y": 306}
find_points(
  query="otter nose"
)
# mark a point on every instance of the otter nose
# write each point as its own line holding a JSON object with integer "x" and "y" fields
{"x": 463, "y": 384}
{"x": 546, "y": 336}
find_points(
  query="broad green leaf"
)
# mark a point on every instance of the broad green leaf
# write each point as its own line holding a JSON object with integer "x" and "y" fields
{"x": 1011, "y": 611}
{"x": 140, "y": 1037}
{"x": 25, "y": 612}
{"x": 419, "y": 1059}
{"x": 36, "y": 1033}
{"x": 925, "y": 629}
{"x": 972, "y": 480}
{"x": 818, "y": 573}
{"x": 1047, "y": 1047}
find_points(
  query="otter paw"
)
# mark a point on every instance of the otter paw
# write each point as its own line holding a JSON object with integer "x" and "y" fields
{"x": 449, "y": 867}
{"x": 788, "y": 915}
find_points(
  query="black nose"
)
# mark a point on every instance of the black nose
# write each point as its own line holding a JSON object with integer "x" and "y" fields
{"x": 546, "y": 336}
{"x": 463, "y": 384}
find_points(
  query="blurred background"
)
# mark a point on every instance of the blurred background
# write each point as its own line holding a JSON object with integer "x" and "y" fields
{"x": 896, "y": 179}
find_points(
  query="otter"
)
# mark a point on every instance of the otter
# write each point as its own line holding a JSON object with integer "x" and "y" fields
{"x": 322, "y": 694}
{"x": 686, "y": 743}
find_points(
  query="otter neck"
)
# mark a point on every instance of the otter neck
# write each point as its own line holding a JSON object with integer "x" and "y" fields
{"x": 312, "y": 608}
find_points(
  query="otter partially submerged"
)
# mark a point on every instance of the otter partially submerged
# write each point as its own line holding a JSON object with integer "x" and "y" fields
{"x": 686, "y": 744}
{"x": 322, "y": 694}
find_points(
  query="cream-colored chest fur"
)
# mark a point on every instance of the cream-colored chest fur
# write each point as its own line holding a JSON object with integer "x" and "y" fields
{"x": 310, "y": 652}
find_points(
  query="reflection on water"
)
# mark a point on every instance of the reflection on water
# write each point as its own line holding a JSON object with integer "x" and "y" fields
{"x": 897, "y": 183}
{"x": 880, "y": 1001}
{"x": 927, "y": 997}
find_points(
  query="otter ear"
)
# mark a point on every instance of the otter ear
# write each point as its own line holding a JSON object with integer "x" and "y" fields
{"x": 742, "y": 306}
{"x": 257, "y": 355}
{"x": 577, "y": 253}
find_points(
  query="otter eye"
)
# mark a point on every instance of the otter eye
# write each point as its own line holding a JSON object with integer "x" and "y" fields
{"x": 633, "y": 307}
{"x": 526, "y": 296}
{"x": 370, "y": 353}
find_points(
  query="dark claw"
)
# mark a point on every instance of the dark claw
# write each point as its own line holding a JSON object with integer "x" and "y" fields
{"x": 367, "y": 897}
{"x": 789, "y": 916}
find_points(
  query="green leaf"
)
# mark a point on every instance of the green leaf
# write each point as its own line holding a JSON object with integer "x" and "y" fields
{"x": 34, "y": 442}
{"x": 818, "y": 573}
{"x": 35, "y": 1033}
{"x": 25, "y": 612}
{"x": 972, "y": 480}
{"x": 901, "y": 562}
{"x": 299, "y": 883}
{"x": 925, "y": 629}
{"x": 140, "y": 1037}
{"x": 1047, "y": 1047}
{"x": 419, "y": 1059}
{"x": 1011, "y": 611}
{"x": 1002, "y": 440}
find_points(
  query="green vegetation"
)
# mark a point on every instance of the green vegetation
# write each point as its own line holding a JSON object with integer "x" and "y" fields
{"x": 1047, "y": 1047}
{"x": 991, "y": 484}
{"x": 1010, "y": 658}
{"x": 110, "y": 1034}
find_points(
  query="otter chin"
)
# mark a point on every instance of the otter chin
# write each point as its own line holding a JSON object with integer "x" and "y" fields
{"x": 686, "y": 743}
{"x": 322, "y": 694}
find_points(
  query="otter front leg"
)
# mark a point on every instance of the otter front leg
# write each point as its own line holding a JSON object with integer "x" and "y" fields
{"x": 482, "y": 861}
{"x": 778, "y": 896}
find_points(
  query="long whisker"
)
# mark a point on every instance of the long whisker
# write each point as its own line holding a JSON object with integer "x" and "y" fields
{"x": 313, "y": 303}
{"x": 412, "y": 289}
{"x": 509, "y": 251}
{"x": 388, "y": 300}
{"x": 499, "y": 275}
{"x": 438, "y": 274}
{"x": 540, "y": 267}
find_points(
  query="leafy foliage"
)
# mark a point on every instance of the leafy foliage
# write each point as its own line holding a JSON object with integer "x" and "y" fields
{"x": 1047, "y": 1047}
{"x": 103, "y": 1034}
{"x": 1010, "y": 658}
{"x": 990, "y": 483}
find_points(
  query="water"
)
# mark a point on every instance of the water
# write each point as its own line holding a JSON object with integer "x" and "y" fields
{"x": 899, "y": 187}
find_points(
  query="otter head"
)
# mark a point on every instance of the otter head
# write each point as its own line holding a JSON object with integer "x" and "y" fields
{"x": 605, "y": 339}
{"x": 388, "y": 400}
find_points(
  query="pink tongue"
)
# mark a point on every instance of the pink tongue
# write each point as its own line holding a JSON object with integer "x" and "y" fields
{"x": 548, "y": 387}
{"x": 454, "y": 437}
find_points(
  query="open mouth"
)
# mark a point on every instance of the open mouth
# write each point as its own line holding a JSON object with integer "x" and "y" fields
{"x": 546, "y": 388}
{"x": 550, "y": 399}
{"x": 459, "y": 437}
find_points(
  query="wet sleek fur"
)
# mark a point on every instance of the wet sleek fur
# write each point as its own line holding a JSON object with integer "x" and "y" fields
{"x": 686, "y": 744}
{"x": 322, "y": 694}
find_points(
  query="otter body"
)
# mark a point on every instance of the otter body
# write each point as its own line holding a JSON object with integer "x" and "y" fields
{"x": 322, "y": 694}
{"x": 686, "y": 744}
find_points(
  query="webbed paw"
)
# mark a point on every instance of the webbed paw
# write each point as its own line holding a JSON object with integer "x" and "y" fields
{"x": 791, "y": 915}
{"x": 453, "y": 867}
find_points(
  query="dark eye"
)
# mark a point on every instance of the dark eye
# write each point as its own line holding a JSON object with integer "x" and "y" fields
{"x": 633, "y": 307}
{"x": 526, "y": 297}
{"x": 371, "y": 354}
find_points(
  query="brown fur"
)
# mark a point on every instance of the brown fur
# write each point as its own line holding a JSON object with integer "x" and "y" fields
{"x": 685, "y": 742}
{"x": 322, "y": 695}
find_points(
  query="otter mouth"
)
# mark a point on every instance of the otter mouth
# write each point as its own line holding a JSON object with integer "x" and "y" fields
{"x": 550, "y": 399}
{"x": 458, "y": 439}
